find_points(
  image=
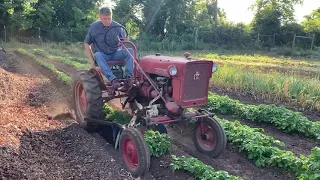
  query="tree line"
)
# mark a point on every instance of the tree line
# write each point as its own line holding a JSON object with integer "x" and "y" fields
{"x": 182, "y": 21}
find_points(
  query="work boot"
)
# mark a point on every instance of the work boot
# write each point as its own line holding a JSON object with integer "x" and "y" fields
{"x": 115, "y": 84}
{"x": 127, "y": 85}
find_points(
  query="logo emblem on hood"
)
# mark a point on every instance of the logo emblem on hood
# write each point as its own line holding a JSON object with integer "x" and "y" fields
{"x": 196, "y": 76}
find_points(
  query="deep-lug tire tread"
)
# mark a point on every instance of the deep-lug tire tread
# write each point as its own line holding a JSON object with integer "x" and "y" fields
{"x": 93, "y": 97}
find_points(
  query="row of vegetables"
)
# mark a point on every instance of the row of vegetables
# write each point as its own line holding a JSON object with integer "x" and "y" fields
{"x": 263, "y": 150}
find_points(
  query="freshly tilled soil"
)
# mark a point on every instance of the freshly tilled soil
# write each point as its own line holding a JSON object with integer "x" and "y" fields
{"x": 32, "y": 145}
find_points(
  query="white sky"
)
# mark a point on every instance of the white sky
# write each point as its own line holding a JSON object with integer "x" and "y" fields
{"x": 237, "y": 10}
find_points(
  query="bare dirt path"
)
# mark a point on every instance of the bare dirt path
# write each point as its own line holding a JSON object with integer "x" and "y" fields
{"x": 34, "y": 147}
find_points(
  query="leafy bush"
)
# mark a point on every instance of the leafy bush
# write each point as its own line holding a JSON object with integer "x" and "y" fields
{"x": 114, "y": 115}
{"x": 159, "y": 144}
{"x": 200, "y": 170}
{"x": 282, "y": 118}
{"x": 265, "y": 152}
{"x": 311, "y": 167}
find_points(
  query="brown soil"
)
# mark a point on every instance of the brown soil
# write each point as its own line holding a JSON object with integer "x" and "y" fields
{"x": 231, "y": 160}
{"x": 34, "y": 147}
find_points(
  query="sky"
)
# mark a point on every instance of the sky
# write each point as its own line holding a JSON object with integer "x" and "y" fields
{"x": 237, "y": 10}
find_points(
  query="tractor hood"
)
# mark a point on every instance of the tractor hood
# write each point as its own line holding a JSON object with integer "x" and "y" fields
{"x": 168, "y": 66}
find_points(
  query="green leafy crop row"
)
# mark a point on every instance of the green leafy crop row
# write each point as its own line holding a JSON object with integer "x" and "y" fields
{"x": 200, "y": 170}
{"x": 159, "y": 144}
{"x": 65, "y": 60}
{"x": 115, "y": 115}
{"x": 265, "y": 152}
{"x": 284, "y": 119}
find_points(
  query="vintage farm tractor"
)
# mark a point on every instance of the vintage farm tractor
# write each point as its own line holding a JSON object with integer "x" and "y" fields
{"x": 163, "y": 89}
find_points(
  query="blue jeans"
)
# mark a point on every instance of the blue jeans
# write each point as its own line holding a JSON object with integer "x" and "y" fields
{"x": 121, "y": 54}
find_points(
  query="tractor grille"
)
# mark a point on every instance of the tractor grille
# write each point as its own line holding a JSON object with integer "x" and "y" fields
{"x": 196, "y": 89}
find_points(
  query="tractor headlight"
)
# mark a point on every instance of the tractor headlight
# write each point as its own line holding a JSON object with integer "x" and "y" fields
{"x": 173, "y": 71}
{"x": 214, "y": 67}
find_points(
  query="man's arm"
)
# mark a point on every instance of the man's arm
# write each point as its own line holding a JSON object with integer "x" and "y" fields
{"x": 87, "y": 42}
{"x": 89, "y": 54}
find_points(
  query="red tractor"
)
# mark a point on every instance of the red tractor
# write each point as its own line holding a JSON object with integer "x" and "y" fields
{"x": 163, "y": 89}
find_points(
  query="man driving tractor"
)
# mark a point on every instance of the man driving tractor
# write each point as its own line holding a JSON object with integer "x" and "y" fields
{"x": 95, "y": 43}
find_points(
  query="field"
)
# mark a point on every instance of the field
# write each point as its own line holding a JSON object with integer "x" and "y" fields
{"x": 268, "y": 105}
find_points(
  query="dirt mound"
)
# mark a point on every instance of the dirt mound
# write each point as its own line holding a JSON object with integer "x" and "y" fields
{"x": 13, "y": 87}
{"x": 24, "y": 105}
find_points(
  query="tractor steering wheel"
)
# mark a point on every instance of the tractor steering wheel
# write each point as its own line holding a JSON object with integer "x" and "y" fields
{"x": 112, "y": 39}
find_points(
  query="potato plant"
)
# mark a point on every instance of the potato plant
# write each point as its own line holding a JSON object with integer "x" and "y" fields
{"x": 284, "y": 119}
{"x": 159, "y": 144}
{"x": 199, "y": 170}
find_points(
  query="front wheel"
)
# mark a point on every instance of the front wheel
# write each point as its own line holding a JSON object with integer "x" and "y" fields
{"x": 135, "y": 152}
{"x": 209, "y": 137}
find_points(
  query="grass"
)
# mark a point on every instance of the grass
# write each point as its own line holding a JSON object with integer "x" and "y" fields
{"x": 62, "y": 59}
{"x": 64, "y": 78}
{"x": 301, "y": 92}
{"x": 256, "y": 58}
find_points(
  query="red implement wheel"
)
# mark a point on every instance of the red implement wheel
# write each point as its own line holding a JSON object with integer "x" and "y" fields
{"x": 86, "y": 98}
{"x": 135, "y": 152}
{"x": 209, "y": 137}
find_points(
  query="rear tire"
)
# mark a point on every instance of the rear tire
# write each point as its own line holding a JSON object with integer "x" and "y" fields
{"x": 135, "y": 152}
{"x": 213, "y": 141}
{"x": 87, "y": 99}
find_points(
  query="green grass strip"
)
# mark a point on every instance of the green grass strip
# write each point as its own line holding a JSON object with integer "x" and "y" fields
{"x": 255, "y": 58}
{"x": 60, "y": 75}
{"x": 284, "y": 119}
{"x": 199, "y": 170}
{"x": 299, "y": 92}
{"x": 63, "y": 59}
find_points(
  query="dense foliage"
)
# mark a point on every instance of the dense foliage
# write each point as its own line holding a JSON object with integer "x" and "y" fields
{"x": 159, "y": 144}
{"x": 265, "y": 151}
{"x": 177, "y": 24}
{"x": 199, "y": 170}
{"x": 284, "y": 119}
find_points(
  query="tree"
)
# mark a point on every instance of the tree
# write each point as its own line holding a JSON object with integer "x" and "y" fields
{"x": 212, "y": 6}
{"x": 285, "y": 8}
{"x": 312, "y": 25}
{"x": 312, "y": 22}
